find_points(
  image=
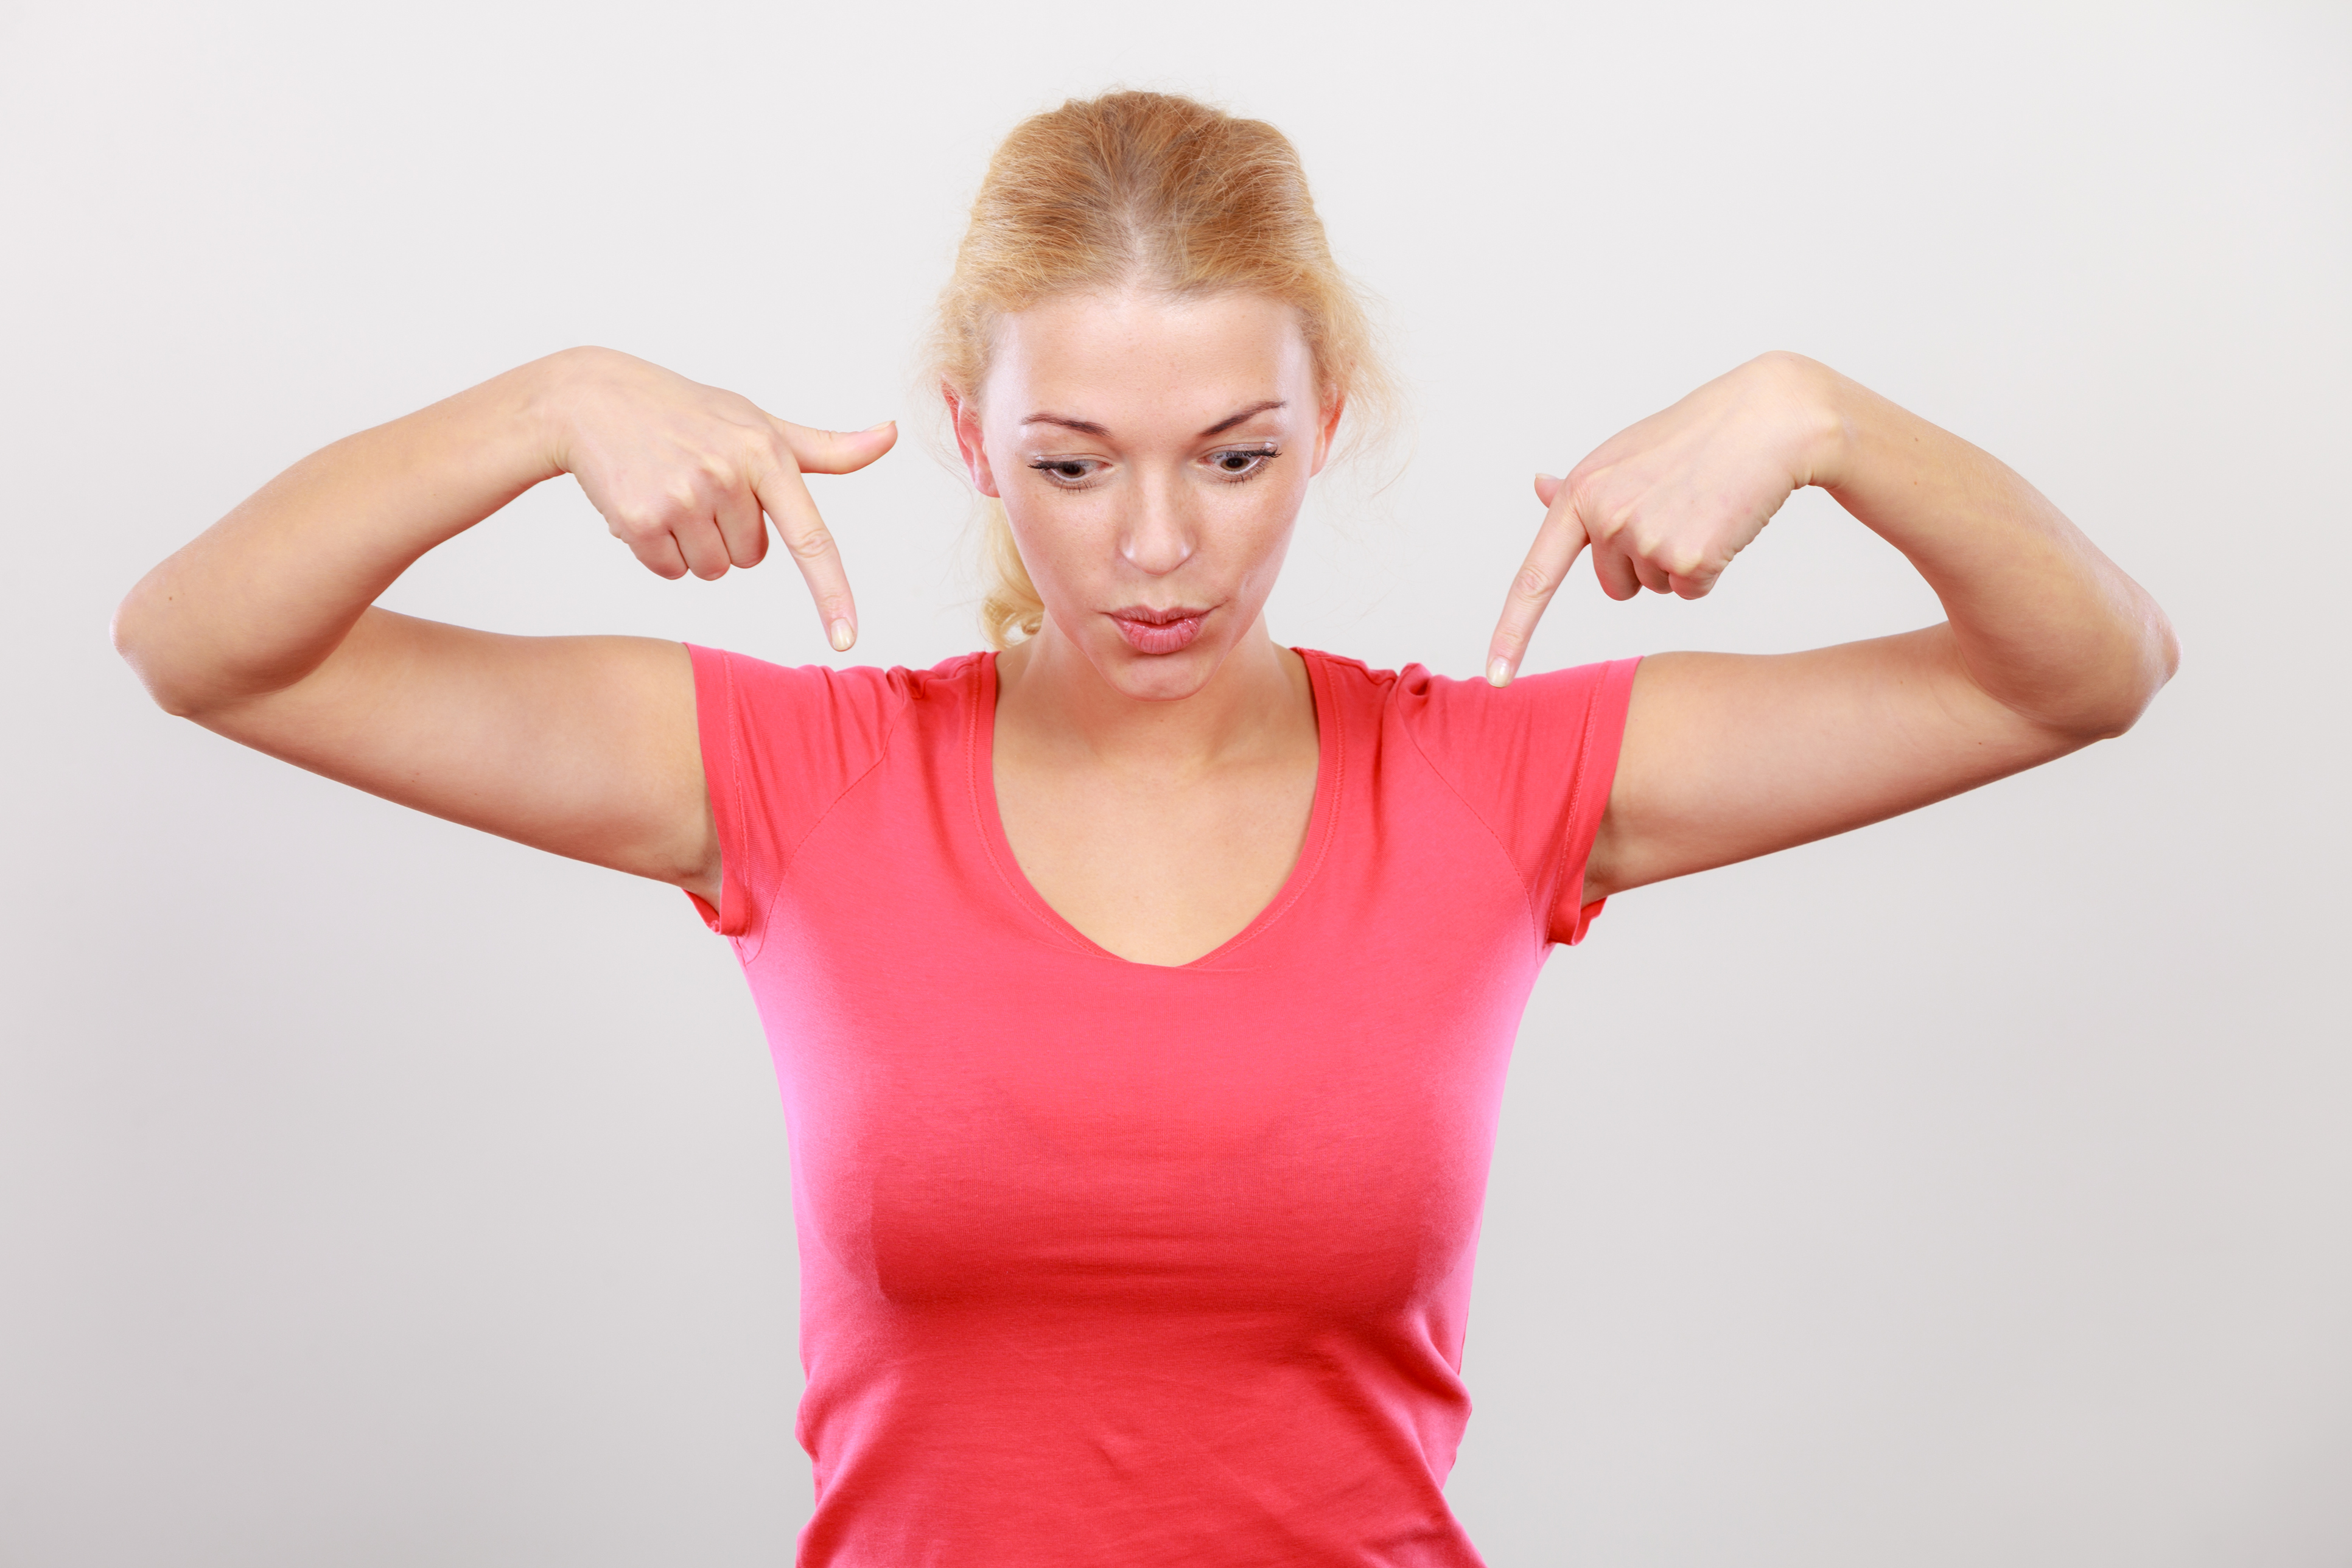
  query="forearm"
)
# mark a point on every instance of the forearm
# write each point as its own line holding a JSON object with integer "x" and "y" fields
{"x": 266, "y": 594}
{"x": 2045, "y": 624}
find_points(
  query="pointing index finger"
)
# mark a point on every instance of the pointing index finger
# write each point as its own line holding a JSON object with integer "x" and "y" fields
{"x": 784, "y": 497}
{"x": 1559, "y": 541}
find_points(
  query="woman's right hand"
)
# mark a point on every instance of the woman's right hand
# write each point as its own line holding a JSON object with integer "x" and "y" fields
{"x": 682, "y": 473}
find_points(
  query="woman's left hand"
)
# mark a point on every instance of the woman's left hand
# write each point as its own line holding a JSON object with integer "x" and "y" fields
{"x": 1666, "y": 503}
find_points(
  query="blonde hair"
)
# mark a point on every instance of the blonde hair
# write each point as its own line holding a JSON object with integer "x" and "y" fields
{"x": 1150, "y": 189}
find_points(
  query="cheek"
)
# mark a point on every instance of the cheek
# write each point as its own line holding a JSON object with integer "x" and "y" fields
{"x": 1062, "y": 539}
{"x": 1268, "y": 512}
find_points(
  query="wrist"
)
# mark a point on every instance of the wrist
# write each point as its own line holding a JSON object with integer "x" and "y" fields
{"x": 545, "y": 404}
{"x": 1820, "y": 411}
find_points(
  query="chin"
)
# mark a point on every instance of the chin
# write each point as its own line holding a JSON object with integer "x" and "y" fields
{"x": 1169, "y": 676}
{"x": 1161, "y": 677}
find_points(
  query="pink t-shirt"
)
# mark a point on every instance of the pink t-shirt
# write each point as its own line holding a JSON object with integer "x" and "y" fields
{"x": 1110, "y": 1263}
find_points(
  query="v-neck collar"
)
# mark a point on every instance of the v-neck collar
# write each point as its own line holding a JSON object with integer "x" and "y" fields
{"x": 980, "y": 753}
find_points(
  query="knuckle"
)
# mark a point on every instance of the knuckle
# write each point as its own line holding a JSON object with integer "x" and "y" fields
{"x": 813, "y": 541}
{"x": 1607, "y": 519}
{"x": 1532, "y": 583}
{"x": 1583, "y": 487}
{"x": 754, "y": 447}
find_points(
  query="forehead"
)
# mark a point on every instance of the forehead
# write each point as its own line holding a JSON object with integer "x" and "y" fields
{"x": 1131, "y": 361}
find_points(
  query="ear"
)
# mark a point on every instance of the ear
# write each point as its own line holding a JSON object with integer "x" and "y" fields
{"x": 966, "y": 420}
{"x": 1328, "y": 431}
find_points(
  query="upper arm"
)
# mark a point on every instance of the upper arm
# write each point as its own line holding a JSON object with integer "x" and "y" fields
{"x": 585, "y": 746}
{"x": 1728, "y": 756}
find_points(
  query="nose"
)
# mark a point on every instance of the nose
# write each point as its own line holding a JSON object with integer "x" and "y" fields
{"x": 1157, "y": 534}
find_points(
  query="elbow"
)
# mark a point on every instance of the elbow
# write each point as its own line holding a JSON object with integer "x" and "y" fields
{"x": 2168, "y": 649}
{"x": 2152, "y": 659}
{"x": 135, "y": 636}
{"x": 128, "y": 631}
{"x": 2160, "y": 659}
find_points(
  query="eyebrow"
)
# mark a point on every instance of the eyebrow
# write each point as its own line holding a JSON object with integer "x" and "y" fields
{"x": 1220, "y": 427}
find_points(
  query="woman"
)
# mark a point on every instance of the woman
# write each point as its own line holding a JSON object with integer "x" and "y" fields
{"x": 1140, "y": 991}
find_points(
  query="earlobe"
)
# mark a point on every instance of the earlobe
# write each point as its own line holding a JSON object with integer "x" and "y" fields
{"x": 966, "y": 420}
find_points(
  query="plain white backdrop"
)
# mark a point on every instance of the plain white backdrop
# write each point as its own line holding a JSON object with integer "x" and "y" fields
{"x": 1974, "y": 1189}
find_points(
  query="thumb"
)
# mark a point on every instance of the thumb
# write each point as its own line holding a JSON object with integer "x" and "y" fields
{"x": 834, "y": 452}
{"x": 1546, "y": 487}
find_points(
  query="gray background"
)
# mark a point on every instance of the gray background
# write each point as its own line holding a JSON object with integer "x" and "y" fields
{"x": 1974, "y": 1189}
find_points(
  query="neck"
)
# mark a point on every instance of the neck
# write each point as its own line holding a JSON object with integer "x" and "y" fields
{"x": 1056, "y": 698}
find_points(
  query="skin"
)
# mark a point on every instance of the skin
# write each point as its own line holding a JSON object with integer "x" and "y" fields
{"x": 1156, "y": 800}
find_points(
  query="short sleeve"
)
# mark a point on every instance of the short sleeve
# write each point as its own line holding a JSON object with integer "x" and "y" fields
{"x": 780, "y": 746}
{"x": 1534, "y": 760}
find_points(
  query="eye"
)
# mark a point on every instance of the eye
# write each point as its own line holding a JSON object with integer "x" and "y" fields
{"x": 1236, "y": 463}
{"x": 1070, "y": 473}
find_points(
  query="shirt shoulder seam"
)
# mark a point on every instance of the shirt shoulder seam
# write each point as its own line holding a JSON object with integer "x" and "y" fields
{"x": 1575, "y": 788}
{"x": 881, "y": 753}
{"x": 1537, "y": 923}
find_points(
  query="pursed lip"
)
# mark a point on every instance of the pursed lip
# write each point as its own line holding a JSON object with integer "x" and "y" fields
{"x": 1146, "y": 615}
{"x": 1158, "y": 632}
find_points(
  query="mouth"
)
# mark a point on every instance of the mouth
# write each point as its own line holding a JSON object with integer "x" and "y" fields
{"x": 1159, "y": 631}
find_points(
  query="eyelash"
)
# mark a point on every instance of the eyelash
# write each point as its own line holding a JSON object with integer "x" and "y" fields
{"x": 1264, "y": 455}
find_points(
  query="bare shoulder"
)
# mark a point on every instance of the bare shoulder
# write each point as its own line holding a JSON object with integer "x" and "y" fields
{"x": 585, "y": 746}
{"x": 1729, "y": 756}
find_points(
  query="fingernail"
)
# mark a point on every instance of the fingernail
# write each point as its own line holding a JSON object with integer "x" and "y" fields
{"x": 1499, "y": 672}
{"x": 843, "y": 636}
{"x": 884, "y": 425}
